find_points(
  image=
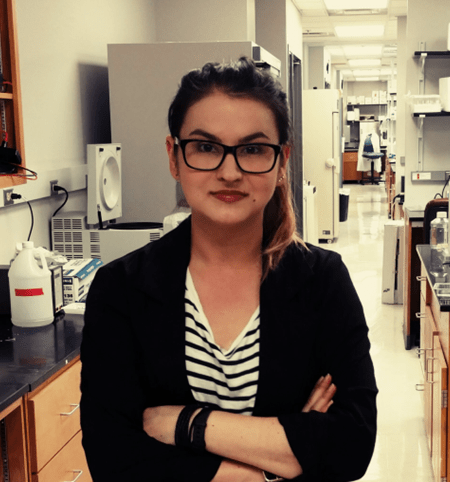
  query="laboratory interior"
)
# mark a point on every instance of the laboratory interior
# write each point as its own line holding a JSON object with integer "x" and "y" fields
{"x": 84, "y": 92}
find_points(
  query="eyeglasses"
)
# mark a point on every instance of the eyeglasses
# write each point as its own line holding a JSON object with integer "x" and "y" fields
{"x": 256, "y": 158}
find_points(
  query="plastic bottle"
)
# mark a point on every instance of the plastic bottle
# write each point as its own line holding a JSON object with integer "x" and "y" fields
{"x": 439, "y": 244}
{"x": 30, "y": 289}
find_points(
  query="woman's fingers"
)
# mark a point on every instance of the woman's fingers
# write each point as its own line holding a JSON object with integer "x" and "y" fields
{"x": 321, "y": 396}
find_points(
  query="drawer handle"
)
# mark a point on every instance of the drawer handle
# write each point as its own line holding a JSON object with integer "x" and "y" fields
{"x": 420, "y": 387}
{"x": 68, "y": 414}
{"x": 421, "y": 278}
{"x": 421, "y": 315}
{"x": 79, "y": 472}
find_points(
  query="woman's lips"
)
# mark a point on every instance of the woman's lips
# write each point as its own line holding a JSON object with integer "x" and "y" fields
{"x": 229, "y": 196}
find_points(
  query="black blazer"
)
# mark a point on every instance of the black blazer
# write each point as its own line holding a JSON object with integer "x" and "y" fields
{"x": 133, "y": 348}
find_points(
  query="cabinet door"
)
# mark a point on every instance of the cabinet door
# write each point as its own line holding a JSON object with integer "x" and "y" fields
{"x": 438, "y": 375}
{"x": 54, "y": 417}
{"x": 427, "y": 333}
{"x": 69, "y": 465}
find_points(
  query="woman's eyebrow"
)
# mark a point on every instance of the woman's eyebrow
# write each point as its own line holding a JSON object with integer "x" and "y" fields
{"x": 212, "y": 137}
{"x": 201, "y": 132}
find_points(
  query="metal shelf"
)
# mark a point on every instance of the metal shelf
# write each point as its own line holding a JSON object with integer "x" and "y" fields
{"x": 431, "y": 114}
{"x": 434, "y": 54}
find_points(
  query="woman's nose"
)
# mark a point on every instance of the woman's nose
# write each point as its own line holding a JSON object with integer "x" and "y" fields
{"x": 229, "y": 170}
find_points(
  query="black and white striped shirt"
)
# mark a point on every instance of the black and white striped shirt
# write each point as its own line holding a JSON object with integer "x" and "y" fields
{"x": 226, "y": 379}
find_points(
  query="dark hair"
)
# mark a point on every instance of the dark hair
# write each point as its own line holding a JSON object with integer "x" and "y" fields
{"x": 244, "y": 78}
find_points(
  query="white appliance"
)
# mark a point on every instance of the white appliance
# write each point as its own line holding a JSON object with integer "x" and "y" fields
{"x": 79, "y": 235}
{"x": 310, "y": 214}
{"x": 143, "y": 80}
{"x": 322, "y": 155}
{"x": 75, "y": 239}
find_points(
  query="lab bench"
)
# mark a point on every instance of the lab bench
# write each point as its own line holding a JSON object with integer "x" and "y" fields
{"x": 40, "y": 433}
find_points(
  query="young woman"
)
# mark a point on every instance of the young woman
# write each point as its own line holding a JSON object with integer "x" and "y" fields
{"x": 228, "y": 350}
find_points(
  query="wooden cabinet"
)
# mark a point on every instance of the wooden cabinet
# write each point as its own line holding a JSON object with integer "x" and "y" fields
{"x": 41, "y": 432}
{"x": 350, "y": 163}
{"x": 390, "y": 188}
{"x": 434, "y": 346}
{"x": 54, "y": 429}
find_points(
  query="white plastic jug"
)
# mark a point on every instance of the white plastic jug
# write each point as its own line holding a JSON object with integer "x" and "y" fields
{"x": 30, "y": 289}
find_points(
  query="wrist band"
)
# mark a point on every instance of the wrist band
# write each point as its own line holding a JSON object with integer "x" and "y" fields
{"x": 197, "y": 431}
{"x": 182, "y": 435}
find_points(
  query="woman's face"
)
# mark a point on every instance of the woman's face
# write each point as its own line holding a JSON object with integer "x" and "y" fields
{"x": 227, "y": 195}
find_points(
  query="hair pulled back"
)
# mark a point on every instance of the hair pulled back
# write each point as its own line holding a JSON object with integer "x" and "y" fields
{"x": 243, "y": 79}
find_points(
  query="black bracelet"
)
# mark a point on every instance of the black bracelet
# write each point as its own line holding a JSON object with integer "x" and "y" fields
{"x": 182, "y": 435}
{"x": 198, "y": 427}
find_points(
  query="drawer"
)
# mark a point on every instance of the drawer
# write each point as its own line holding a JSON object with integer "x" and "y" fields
{"x": 54, "y": 417}
{"x": 67, "y": 466}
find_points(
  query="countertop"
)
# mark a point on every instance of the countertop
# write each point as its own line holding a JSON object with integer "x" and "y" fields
{"x": 29, "y": 356}
{"x": 423, "y": 250}
{"x": 414, "y": 212}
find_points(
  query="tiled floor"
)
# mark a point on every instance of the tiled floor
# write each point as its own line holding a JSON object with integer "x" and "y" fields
{"x": 401, "y": 453}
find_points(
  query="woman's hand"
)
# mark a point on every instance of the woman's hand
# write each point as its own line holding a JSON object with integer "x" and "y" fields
{"x": 321, "y": 397}
{"x": 160, "y": 422}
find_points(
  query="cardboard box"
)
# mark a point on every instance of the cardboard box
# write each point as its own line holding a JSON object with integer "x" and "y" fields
{"x": 78, "y": 275}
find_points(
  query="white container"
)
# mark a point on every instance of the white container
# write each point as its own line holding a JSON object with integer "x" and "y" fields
{"x": 30, "y": 289}
{"x": 424, "y": 104}
{"x": 438, "y": 245}
{"x": 444, "y": 93}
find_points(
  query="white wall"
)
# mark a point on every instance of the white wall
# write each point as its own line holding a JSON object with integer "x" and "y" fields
{"x": 402, "y": 55}
{"x": 294, "y": 29}
{"x": 63, "y": 66}
{"x": 427, "y": 21}
{"x": 205, "y": 20}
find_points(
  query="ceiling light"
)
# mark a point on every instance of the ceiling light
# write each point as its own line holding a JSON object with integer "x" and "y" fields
{"x": 364, "y": 63}
{"x": 367, "y": 79}
{"x": 355, "y": 4}
{"x": 362, "y": 51}
{"x": 345, "y": 31}
{"x": 366, "y": 73}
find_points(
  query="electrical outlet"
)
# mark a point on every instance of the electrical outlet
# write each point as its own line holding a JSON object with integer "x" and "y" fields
{"x": 52, "y": 191}
{"x": 7, "y": 197}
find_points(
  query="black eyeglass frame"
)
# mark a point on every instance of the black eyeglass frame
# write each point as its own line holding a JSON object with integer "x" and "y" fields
{"x": 228, "y": 150}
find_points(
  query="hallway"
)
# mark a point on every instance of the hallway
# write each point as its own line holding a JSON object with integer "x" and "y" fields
{"x": 401, "y": 454}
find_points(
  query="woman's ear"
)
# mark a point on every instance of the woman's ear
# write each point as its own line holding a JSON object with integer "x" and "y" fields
{"x": 173, "y": 162}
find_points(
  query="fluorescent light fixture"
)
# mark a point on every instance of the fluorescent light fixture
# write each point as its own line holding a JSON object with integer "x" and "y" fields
{"x": 367, "y": 79}
{"x": 355, "y": 4}
{"x": 365, "y": 63}
{"x": 366, "y": 73}
{"x": 345, "y": 31}
{"x": 363, "y": 50}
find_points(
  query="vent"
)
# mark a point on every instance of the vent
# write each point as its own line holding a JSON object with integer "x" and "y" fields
{"x": 154, "y": 236}
{"x": 94, "y": 237}
{"x": 57, "y": 223}
{"x": 58, "y": 237}
{"x": 95, "y": 248}
{"x": 77, "y": 224}
{"x": 78, "y": 248}
{"x": 309, "y": 34}
{"x": 77, "y": 237}
{"x": 67, "y": 223}
{"x": 356, "y": 11}
{"x": 67, "y": 237}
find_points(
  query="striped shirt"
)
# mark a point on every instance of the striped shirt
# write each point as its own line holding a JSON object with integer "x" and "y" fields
{"x": 227, "y": 379}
